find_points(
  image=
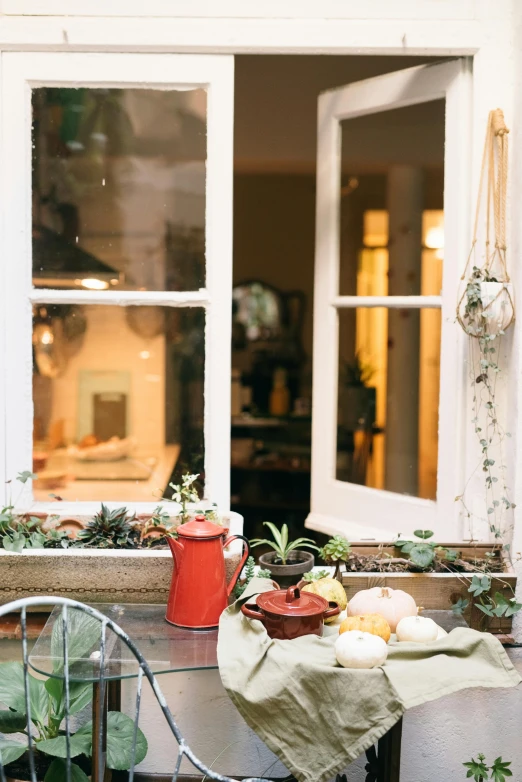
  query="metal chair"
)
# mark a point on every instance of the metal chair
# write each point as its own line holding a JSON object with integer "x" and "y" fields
{"x": 98, "y": 759}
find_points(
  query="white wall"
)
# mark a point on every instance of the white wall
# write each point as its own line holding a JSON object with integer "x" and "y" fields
{"x": 437, "y": 737}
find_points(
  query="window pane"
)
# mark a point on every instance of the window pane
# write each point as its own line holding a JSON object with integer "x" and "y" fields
{"x": 118, "y": 399}
{"x": 388, "y": 399}
{"x": 391, "y": 205}
{"x": 119, "y": 188}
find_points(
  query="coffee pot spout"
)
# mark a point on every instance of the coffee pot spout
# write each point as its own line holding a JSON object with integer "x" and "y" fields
{"x": 177, "y": 549}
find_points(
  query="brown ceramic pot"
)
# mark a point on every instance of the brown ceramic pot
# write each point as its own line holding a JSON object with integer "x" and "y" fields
{"x": 290, "y": 613}
{"x": 298, "y": 562}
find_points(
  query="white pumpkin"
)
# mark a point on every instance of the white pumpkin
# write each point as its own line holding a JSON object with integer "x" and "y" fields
{"x": 392, "y": 604}
{"x": 355, "y": 649}
{"x": 418, "y": 629}
{"x": 441, "y": 633}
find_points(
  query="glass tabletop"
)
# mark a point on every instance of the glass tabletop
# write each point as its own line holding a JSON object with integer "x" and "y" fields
{"x": 167, "y": 649}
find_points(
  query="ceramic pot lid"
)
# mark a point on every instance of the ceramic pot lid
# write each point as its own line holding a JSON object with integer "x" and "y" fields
{"x": 292, "y": 602}
{"x": 200, "y": 527}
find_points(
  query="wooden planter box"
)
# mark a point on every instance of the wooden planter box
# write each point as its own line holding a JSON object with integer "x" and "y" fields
{"x": 436, "y": 590}
{"x": 97, "y": 575}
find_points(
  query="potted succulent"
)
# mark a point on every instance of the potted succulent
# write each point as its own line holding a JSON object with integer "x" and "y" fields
{"x": 286, "y": 562}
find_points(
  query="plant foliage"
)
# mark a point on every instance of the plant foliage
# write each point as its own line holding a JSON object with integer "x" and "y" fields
{"x": 110, "y": 529}
{"x": 281, "y": 544}
{"x": 479, "y": 771}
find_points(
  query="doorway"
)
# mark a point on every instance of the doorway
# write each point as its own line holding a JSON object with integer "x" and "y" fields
{"x": 274, "y": 235}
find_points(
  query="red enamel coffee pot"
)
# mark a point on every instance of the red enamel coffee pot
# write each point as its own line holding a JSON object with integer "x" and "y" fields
{"x": 199, "y": 590}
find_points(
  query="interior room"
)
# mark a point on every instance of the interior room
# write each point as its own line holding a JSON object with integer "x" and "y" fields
{"x": 119, "y": 204}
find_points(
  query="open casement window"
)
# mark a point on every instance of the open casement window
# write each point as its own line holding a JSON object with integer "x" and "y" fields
{"x": 389, "y": 376}
{"x": 117, "y": 251}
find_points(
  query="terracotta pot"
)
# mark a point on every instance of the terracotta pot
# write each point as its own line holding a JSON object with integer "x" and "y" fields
{"x": 290, "y": 613}
{"x": 298, "y": 562}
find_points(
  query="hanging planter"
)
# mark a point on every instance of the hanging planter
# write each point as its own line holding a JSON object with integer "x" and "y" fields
{"x": 485, "y": 305}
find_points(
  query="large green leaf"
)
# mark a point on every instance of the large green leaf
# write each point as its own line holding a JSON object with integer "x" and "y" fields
{"x": 422, "y": 554}
{"x": 79, "y": 744}
{"x": 12, "y": 722}
{"x": 11, "y": 750}
{"x": 80, "y": 694}
{"x": 57, "y": 772}
{"x": 120, "y": 735}
{"x": 12, "y": 691}
{"x": 84, "y": 633}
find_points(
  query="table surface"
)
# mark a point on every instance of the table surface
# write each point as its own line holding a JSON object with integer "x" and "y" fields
{"x": 167, "y": 649}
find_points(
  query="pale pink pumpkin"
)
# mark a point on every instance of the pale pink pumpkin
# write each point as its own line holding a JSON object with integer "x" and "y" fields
{"x": 392, "y": 604}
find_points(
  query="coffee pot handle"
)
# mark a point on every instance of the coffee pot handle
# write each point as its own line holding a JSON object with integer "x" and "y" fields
{"x": 237, "y": 571}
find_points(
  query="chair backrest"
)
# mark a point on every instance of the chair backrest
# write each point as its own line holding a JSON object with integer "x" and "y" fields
{"x": 97, "y": 748}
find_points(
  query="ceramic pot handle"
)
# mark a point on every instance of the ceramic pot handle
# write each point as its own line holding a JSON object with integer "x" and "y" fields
{"x": 292, "y": 593}
{"x": 237, "y": 571}
{"x": 252, "y": 611}
{"x": 333, "y": 611}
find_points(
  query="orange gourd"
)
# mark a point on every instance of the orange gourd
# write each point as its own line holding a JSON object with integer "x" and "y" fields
{"x": 367, "y": 623}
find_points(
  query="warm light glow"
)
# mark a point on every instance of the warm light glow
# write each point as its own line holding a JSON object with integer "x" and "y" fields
{"x": 94, "y": 285}
{"x": 48, "y": 337}
{"x": 435, "y": 238}
{"x": 145, "y": 354}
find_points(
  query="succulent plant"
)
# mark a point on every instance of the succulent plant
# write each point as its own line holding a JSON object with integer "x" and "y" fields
{"x": 315, "y": 575}
{"x": 337, "y": 550}
{"x": 110, "y": 529}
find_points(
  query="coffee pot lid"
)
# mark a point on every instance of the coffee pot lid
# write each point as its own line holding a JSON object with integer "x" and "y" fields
{"x": 200, "y": 527}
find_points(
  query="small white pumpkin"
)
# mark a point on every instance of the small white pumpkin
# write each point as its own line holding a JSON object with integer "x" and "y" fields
{"x": 392, "y": 604}
{"x": 441, "y": 633}
{"x": 355, "y": 649}
{"x": 418, "y": 629}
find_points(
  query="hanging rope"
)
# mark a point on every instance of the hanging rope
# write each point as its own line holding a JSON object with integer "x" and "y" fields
{"x": 492, "y": 184}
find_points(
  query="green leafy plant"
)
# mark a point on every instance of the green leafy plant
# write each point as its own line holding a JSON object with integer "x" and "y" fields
{"x": 315, "y": 575}
{"x": 110, "y": 529}
{"x": 249, "y": 575}
{"x": 480, "y": 772}
{"x": 422, "y": 553}
{"x": 18, "y": 532}
{"x": 264, "y": 573}
{"x": 357, "y": 372}
{"x": 280, "y": 544}
{"x": 185, "y": 492}
{"x": 496, "y": 605}
{"x": 47, "y": 708}
{"x": 336, "y": 551}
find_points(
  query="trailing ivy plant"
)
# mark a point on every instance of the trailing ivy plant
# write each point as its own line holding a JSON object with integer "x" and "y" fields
{"x": 479, "y": 771}
{"x": 484, "y": 371}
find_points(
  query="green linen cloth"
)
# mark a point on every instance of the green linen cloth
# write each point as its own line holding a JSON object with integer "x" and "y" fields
{"x": 318, "y": 717}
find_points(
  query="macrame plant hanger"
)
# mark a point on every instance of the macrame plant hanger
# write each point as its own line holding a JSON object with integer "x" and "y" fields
{"x": 485, "y": 297}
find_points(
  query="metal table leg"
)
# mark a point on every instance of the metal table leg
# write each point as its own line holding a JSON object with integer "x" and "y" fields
{"x": 106, "y": 697}
{"x": 385, "y": 764}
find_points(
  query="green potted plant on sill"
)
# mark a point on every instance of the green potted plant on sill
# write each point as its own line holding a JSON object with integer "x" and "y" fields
{"x": 286, "y": 562}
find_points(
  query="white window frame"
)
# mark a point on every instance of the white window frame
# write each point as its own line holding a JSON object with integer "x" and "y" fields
{"x": 427, "y": 28}
{"x": 20, "y": 73}
{"x": 356, "y": 511}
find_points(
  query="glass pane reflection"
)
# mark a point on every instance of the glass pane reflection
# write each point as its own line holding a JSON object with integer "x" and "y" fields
{"x": 118, "y": 399}
{"x": 119, "y": 188}
{"x": 388, "y": 399}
